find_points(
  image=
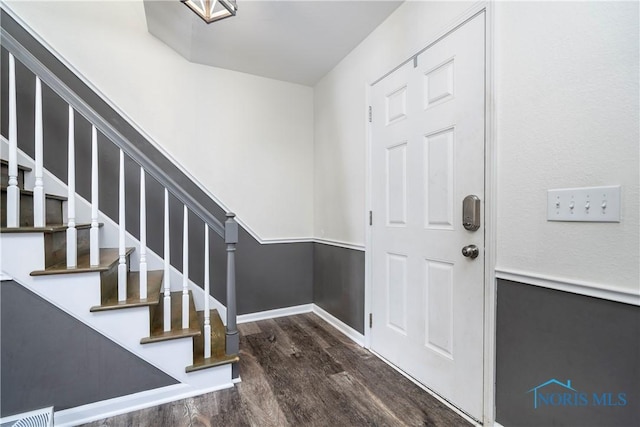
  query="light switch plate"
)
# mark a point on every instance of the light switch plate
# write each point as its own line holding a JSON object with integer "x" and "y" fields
{"x": 588, "y": 204}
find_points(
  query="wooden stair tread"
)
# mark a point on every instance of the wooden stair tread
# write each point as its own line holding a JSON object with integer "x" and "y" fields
{"x": 211, "y": 362}
{"x": 30, "y": 193}
{"x": 218, "y": 340}
{"x": 46, "y": 229}
{"x": 154, "y": 283}
{"x": 20, "y": 167}
{"x": 108, "y": 257}
{"x": 157, "y": 322}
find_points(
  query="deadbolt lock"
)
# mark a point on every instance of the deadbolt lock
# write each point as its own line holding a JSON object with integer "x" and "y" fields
{"x": 471, "y": 212}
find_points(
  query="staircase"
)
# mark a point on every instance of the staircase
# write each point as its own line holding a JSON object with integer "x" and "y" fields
{"x": 55, "y": 264}
{"x": 88, "y": 269}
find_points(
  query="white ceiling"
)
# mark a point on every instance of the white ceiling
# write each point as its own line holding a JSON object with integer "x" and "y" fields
{"x": 295, "y": 41}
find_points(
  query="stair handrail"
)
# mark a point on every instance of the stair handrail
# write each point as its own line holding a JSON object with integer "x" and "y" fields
{"x": 139, "y": 157}
{"x": 228, "y": 231}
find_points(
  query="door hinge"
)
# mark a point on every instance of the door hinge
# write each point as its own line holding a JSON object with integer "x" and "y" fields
{"x": 370, "y": 114}
{"x": 370, "y": 217}
{"x": 415, "y": 61}
{"x": 370, "y": 320}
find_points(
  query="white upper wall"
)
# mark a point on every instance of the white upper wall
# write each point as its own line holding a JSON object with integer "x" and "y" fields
{"x": 567, "y": 98}
{"x": 341, "y": 111}
{"x": 247, "y": 139}
{"x": 567, "y": 116}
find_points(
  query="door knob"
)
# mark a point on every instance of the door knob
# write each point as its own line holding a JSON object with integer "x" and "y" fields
{"x": 470, "y": 251}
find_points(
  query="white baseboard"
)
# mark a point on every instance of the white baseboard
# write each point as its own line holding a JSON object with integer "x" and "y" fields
{"x": 347, "y": 330}
{"x": 568, "y": 285}
{"x": 272, "y": 314}
{"x": 133, "y": 402}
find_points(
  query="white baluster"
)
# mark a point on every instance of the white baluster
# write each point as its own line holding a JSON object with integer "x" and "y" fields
{"x": 143, "y": 236}
{"x": 13, "y": 192}
{"x": 72, "y": 233}
{"x": 38, "y": 189}
{"x": 207, "y": 320}
{"x": 94, "y": 236}
{"x": 185, "y": 270}
{"x": 167, "y": 266}
{"x": 122, "y": 266}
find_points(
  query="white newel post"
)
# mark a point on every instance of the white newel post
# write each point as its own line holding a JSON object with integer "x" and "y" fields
{"x": 167, "y": 266}
{"x": 122, "y": 265}
{"x": 143, "y": 236}
{"x": 94, "y": 236}
{"x": 38, "y": 189}
{"x": 185, "y": 270}
{"x": 72, "y": 233}
{"x": 13, "y": 192}
{"x": 207, "y": 315}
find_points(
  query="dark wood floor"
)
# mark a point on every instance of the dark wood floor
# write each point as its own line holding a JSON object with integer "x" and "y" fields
{"x": 297, "y": 371}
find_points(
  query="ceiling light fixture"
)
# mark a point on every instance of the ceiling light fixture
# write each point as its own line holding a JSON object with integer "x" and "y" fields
{"x": 212, "y": 10}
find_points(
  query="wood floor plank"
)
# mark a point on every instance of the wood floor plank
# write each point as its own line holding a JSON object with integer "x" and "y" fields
{"x": 249, "y": 328}
{"x": 358, "y": 395}
{"x": 196, "y": 414}
{"x": 328, "y": 333}
{"x": 262, "y": 407}
{"x": 276, "y": 335}
{"x": 311, "y": 327}
{"x": 408, "y": 401}
{"x": 300, "y": 371}
{"x": 296, "y": 390}
{"x": 310, "y": 397}
{"x": 308, "y": 348}
{"x": 231, "y": 411}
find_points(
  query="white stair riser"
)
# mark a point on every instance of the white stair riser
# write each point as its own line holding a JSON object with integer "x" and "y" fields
{"x": 21, "y": 253}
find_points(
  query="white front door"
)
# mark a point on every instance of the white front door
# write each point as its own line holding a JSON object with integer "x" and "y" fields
{"x": 427, "y": 155}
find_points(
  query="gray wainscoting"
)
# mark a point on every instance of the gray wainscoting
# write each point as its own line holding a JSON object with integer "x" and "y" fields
{"x": 268, "y": 276}
{"x": 544, "y": 334}
{"x": 50, "y": 358}
{"x": 338, "y": 283}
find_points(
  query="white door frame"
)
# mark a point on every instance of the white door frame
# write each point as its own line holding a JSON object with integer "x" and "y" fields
{"x": 490, "y": 205}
